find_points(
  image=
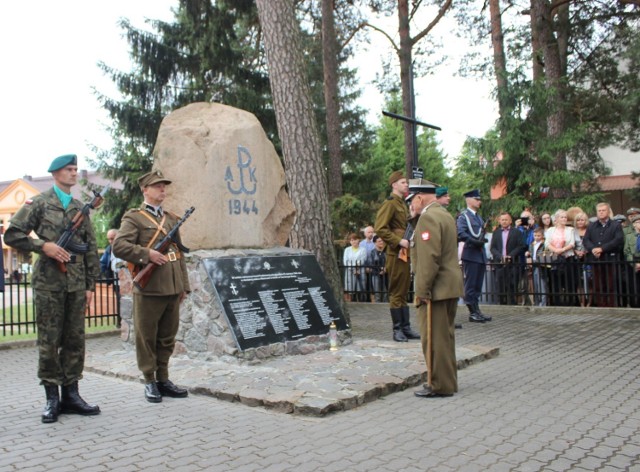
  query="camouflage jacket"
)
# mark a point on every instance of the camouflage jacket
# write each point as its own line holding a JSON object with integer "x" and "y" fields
{"x": 45, "y": 216}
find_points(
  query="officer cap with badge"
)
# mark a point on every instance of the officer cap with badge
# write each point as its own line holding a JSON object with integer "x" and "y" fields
{"x": 417, "y": 186}
{"x": 633, "y": 211}
{"x": 151, "y": 178}
{"x": 475, "y": 193}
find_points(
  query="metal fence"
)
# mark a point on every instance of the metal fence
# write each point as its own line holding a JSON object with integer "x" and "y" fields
{"x": 564, "y": 282}
{"x": 18, "y": 307}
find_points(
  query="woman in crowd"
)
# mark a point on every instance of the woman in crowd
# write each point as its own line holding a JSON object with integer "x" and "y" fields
{"x": 353, "y": 260}
{"x": 376, "y": 260}
{"x": 580, "y": 223}
{"x": 560, "y": 241}
{"x": 545, "y": 221}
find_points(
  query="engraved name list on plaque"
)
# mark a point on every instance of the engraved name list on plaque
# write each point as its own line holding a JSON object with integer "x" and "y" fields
{"x": 272, "y": 299}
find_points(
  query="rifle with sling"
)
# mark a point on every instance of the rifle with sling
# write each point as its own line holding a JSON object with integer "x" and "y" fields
{"x": 141, "y": 278}
{"x": 403, "y": 254}
{"x": 66, "y": 239}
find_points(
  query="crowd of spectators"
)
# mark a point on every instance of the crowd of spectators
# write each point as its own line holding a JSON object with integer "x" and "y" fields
{"x": 564, "y": 258}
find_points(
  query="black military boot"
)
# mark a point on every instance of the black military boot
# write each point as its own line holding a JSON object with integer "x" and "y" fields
{"x": 72, "y": 402}
{"x": 486, "y": 317}
{"x": 52, "y": 408}
{"x": 396, "y": 316}
{"x": 406, "y": 325}
{"x": 474, "y": 316}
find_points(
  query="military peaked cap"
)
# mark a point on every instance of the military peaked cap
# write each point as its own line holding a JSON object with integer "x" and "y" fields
{"x": 151, "y": 178}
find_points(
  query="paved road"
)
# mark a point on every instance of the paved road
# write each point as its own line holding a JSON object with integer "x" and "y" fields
{"x": 562, "y": 395}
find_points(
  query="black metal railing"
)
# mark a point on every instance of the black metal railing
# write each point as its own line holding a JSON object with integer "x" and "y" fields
{"x": 557, "y": 282}
{"x": 17, "y": 305}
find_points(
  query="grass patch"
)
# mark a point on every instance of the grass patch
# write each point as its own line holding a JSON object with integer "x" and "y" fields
{"x": 32, "y": 335}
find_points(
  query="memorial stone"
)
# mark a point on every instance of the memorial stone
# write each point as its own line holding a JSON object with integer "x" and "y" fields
{"x": 221, "y": 162}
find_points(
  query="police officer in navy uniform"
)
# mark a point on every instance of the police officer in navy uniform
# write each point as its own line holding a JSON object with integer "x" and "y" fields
{"x": 60, "y": 297}
{"x": 156, "y": 307}
{"x": 474, "y": 259}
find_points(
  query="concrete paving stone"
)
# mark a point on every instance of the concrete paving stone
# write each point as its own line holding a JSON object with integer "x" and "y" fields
{"x": 619, "y": 461}
{"x": 444, "y": 467}
{"x": 613, "y": 441}
{"x": 602, "y": 451}
{"x": 487, "y": 459}
{"x": 586, "y": 443}
{"x": 546, "y": 372}
{"x": 95, "y": 468}
{"x": 559, "y": 465}
{"x": 546, "y": 455}
{"x": 407, "y": 469}
{"x": 591, "y": 462}
{"x": 531, "y": 466}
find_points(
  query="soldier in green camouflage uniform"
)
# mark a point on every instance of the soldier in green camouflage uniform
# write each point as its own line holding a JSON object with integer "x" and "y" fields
{"x": 60, "y": 297}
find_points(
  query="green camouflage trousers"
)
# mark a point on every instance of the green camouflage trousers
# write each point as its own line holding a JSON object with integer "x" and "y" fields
{"x": 60, "y": 321}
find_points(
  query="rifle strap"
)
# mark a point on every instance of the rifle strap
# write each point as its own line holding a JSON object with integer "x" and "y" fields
{"x": 133, "y": 268}
{"x": 160, "y": 226}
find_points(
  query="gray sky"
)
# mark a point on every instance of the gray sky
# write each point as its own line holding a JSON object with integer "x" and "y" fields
{"x": 51, "y": 50}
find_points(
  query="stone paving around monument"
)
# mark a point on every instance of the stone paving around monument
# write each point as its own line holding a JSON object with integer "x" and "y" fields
{"x": 562, "y": 395}
{"x": 314, "y": 384}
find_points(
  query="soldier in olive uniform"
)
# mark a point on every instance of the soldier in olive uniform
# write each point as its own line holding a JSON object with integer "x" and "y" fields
{"x": 156, "y": 308}
{"x": 390, "y": 225}
{"x": 438, "y": 283}
{"x": 60, "y": 297}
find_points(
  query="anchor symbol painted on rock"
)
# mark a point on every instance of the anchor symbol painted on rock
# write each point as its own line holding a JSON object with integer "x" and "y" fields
{"x": 247, "y": 174}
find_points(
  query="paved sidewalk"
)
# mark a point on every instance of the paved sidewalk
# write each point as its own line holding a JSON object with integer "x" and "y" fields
{"x": 562, "y": 395}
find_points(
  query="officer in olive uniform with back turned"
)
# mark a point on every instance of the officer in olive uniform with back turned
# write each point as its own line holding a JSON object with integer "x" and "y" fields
{"x": 438, "y": 285}
{"x": 60, "y": 297}
{"x": 156, "y": 307}
{"x": 390, "y": 225}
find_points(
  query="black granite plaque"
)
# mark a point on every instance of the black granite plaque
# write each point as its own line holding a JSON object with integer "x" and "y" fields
{"x": 271, "y": 299}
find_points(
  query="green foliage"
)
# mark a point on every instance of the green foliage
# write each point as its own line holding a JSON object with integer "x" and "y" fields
{"x": 368, "y": 179}
{"x": 599, "y": 104}
{"x": 349, "y": 214}
{"x": 212, "y": 51}
{"x": 527, "y": 176}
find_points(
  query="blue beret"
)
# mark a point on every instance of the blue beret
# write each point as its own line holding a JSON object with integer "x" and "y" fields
{"x": 441, "y": 191}
{"x": 475, "y": 193}
{"x": 63, "y": 161}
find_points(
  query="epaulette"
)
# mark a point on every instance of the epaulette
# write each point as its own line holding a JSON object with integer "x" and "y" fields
{"x": 389, "y": 197}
